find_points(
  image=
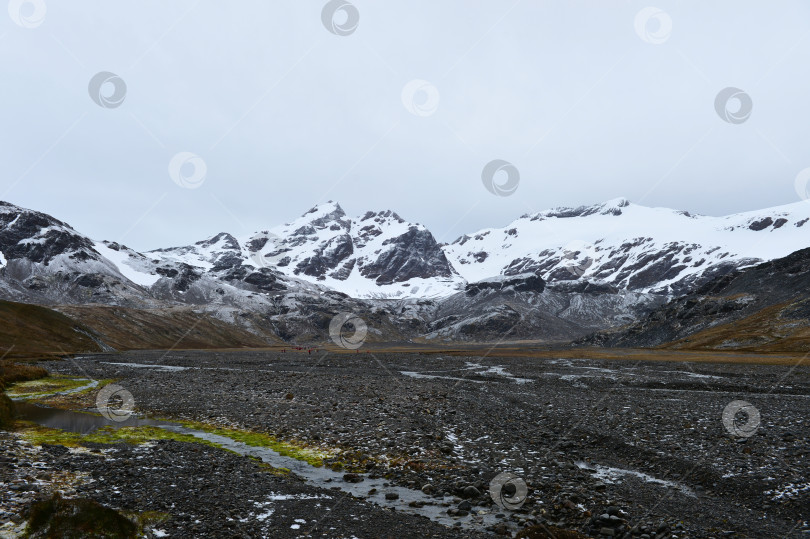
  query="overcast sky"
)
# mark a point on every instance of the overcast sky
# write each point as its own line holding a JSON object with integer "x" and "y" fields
{"x": 584, "y": 99}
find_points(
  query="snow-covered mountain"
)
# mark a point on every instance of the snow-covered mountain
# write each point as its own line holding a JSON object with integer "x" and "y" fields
{"x": 630, "y": 246}
{"x": 376, "y": 255}
{"x": 556, "y": 274}
{"x": 380, "y": 255}
{"x": 45, "y": 260}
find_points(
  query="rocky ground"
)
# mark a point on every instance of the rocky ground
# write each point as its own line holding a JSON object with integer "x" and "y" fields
{"x": 609, "y": 448}
{"x": 195, "y": 491}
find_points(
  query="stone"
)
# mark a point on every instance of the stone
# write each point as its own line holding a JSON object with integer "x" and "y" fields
{"x": 470, "y": 492}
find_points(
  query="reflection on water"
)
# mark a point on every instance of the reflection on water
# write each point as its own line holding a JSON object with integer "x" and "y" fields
{"x": 71, "y": 421}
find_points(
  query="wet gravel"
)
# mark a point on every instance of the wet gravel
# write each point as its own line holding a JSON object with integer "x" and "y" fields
{"x": 210, "y": 493}
{"x": 26, "y": 475}
{"x": 608, "y": 448}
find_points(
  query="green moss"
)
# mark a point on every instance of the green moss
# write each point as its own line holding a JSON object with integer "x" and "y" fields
{"x": 44, "y": 386}
{"x": 271, "y": 469}
{"x": 101, "y": 383}
{"x": 297, "y": 450}
{"x": 39, "y": 435}
{"x": 77, "y": 400}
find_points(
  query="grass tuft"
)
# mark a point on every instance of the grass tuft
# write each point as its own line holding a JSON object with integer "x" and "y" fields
{"x": 43, "y": 387}
{"x": 12, "y": 373}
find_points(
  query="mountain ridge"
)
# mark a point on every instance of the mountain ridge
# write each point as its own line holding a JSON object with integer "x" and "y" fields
{"x": 381, "y": 255}
{"x": 531, "y": 279}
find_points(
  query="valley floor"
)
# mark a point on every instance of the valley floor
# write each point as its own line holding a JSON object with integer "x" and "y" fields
{"x": 608, "y": 447}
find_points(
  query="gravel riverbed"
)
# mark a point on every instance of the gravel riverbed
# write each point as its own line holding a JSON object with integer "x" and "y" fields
{"x": 608, "y": 448}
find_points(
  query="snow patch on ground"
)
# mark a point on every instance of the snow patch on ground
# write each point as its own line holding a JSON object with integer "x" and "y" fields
{"x": 609, "y": 474}
{"x": 789, "y": 491}
{"x": 122, "y": 261}
{"x": 413, "y": 374}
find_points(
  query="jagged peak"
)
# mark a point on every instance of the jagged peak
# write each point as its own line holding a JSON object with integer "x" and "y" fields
{"x": 320, "y": 216}
{"x": 324, "y": 208}
{"x": 227, "y": 239}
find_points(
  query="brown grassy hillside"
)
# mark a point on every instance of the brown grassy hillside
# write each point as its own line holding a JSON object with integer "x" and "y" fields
{"x": 33, "y": 331}
{"x": 779, "y": 328}
{"x": 137, "y": 329}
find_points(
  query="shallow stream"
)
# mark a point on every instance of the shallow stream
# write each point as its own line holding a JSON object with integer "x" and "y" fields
{"x": 84, "y": 422}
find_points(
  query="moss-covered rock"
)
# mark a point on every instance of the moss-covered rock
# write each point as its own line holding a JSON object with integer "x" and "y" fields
{"x": 62, "y": 518}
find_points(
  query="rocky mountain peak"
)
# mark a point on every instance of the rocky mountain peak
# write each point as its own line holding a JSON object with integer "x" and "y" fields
{"x": 323, "y": 214}
{"x": 223, "y": 240}
{"x": 38, "y": 237}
